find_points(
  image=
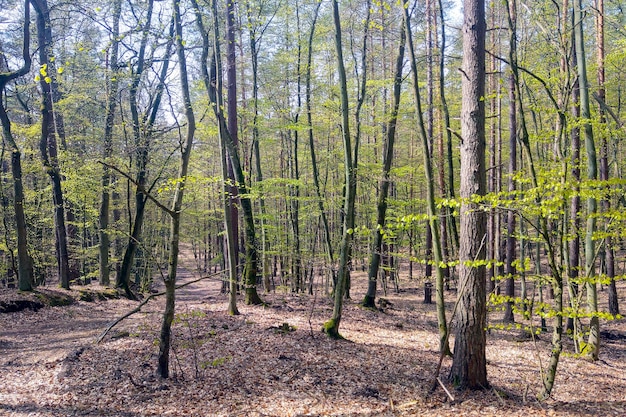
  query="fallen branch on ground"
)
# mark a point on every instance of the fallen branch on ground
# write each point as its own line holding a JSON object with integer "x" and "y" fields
{"x": 144, "y": 302}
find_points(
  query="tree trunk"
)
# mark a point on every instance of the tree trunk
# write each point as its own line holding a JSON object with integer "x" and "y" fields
{"x": 433, "y": 222}
{"x": 175, "y": 213}
{"x": 593, "y": 342}
{"x": 331, "y": 327}
{"x": 511, "y": 241}
{"x": 141, "y": 142}
{"x": 105, "y": 197}
{"x": 369, "y": 300}
{"x": 609, "y": 260}
{"x": 469, "y": 366}
{"x": 24, "y": 260}
{"x": 48, "y": 142}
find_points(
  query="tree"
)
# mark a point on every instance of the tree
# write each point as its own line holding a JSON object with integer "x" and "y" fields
{"x": 48, "y": 141}
{"x": 112, "y": 87}
{"x": 469, "y": 366}
{"x": 433, "y": 221}
{"x": 177, "y": 203}
{"x": 593, "y": 342}
{"x": 331, "y": 327}
{"x": 390, "y": 136}
{"x": 24, "y": 260}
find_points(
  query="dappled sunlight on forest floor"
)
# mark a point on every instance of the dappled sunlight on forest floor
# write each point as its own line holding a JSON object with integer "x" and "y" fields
{"x": 274, "y": 361}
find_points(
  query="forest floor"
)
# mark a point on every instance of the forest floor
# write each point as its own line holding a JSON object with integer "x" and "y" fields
{"x": 273, "y": 360}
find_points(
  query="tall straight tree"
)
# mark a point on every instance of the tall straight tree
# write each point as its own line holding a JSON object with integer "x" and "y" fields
{"x": 469, "y": 365}
{"x": 48, "y": 141}
{"x": 112, "y": 82}
{"x": 216, "y": 99}
{"x": 24, "y": 260}
{"x": 593, "y": 342}
{"x": 185, "y": 144}
{"x": 141, "y": 157}
{"x": 511, "y": 241}
{"x": 381, "y": 212}
{"x": 433, "y": 220}
{"x": 331, "y": 327}
{"x": 609, "y": 252}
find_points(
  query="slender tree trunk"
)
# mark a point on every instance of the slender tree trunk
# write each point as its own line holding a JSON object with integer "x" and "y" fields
{"x": 448, "y": 131}
{"x": 48, "y": 142}
{"x": 141, "y": 142}
{"x": 175, "y": 214}
{"x": 24, "y": 260}
{"x": 369, "y": 300}
{"x": 430, "y": 193}
{"x": 105, "y": 197}
{"x": 331, "y": 327}
{"x": 469, "y": 366}
{"x": 593, "y": 342}
{"x": 609, "y": 260}
{"x": 316, "y": 177}
{"x": 511, "y": 241}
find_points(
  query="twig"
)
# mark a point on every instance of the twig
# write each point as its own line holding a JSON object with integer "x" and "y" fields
{"x": 144, "y": 302}
{"x": 445, "y": 389}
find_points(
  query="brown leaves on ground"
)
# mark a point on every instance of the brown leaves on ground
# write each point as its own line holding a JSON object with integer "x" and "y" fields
{"x": 274, "y": 361}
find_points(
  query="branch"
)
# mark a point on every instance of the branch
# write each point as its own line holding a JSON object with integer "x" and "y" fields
{"x": 140, "y": 188}
{"x": 144, "y": 302}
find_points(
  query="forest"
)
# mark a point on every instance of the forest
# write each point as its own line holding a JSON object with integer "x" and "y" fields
{"x": 312, "y": 207}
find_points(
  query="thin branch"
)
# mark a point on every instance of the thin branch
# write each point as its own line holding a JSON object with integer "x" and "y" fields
{"x": 144, "y": 302}
{"x": 140, "y": 188}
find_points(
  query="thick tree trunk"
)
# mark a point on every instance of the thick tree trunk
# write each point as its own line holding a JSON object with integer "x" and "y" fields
{"x": 469, "y": 366}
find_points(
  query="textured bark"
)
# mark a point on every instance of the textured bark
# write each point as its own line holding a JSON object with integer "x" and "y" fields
{"x": 469, "y": 366}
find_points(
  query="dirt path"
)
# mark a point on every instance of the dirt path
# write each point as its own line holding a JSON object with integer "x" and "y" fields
{"x": 37, "y": 347}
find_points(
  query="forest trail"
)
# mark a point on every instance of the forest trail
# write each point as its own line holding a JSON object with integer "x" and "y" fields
{"x": 31, "y": 338}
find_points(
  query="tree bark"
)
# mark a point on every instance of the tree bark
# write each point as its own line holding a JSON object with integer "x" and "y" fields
{"x": 469, "y": 366}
